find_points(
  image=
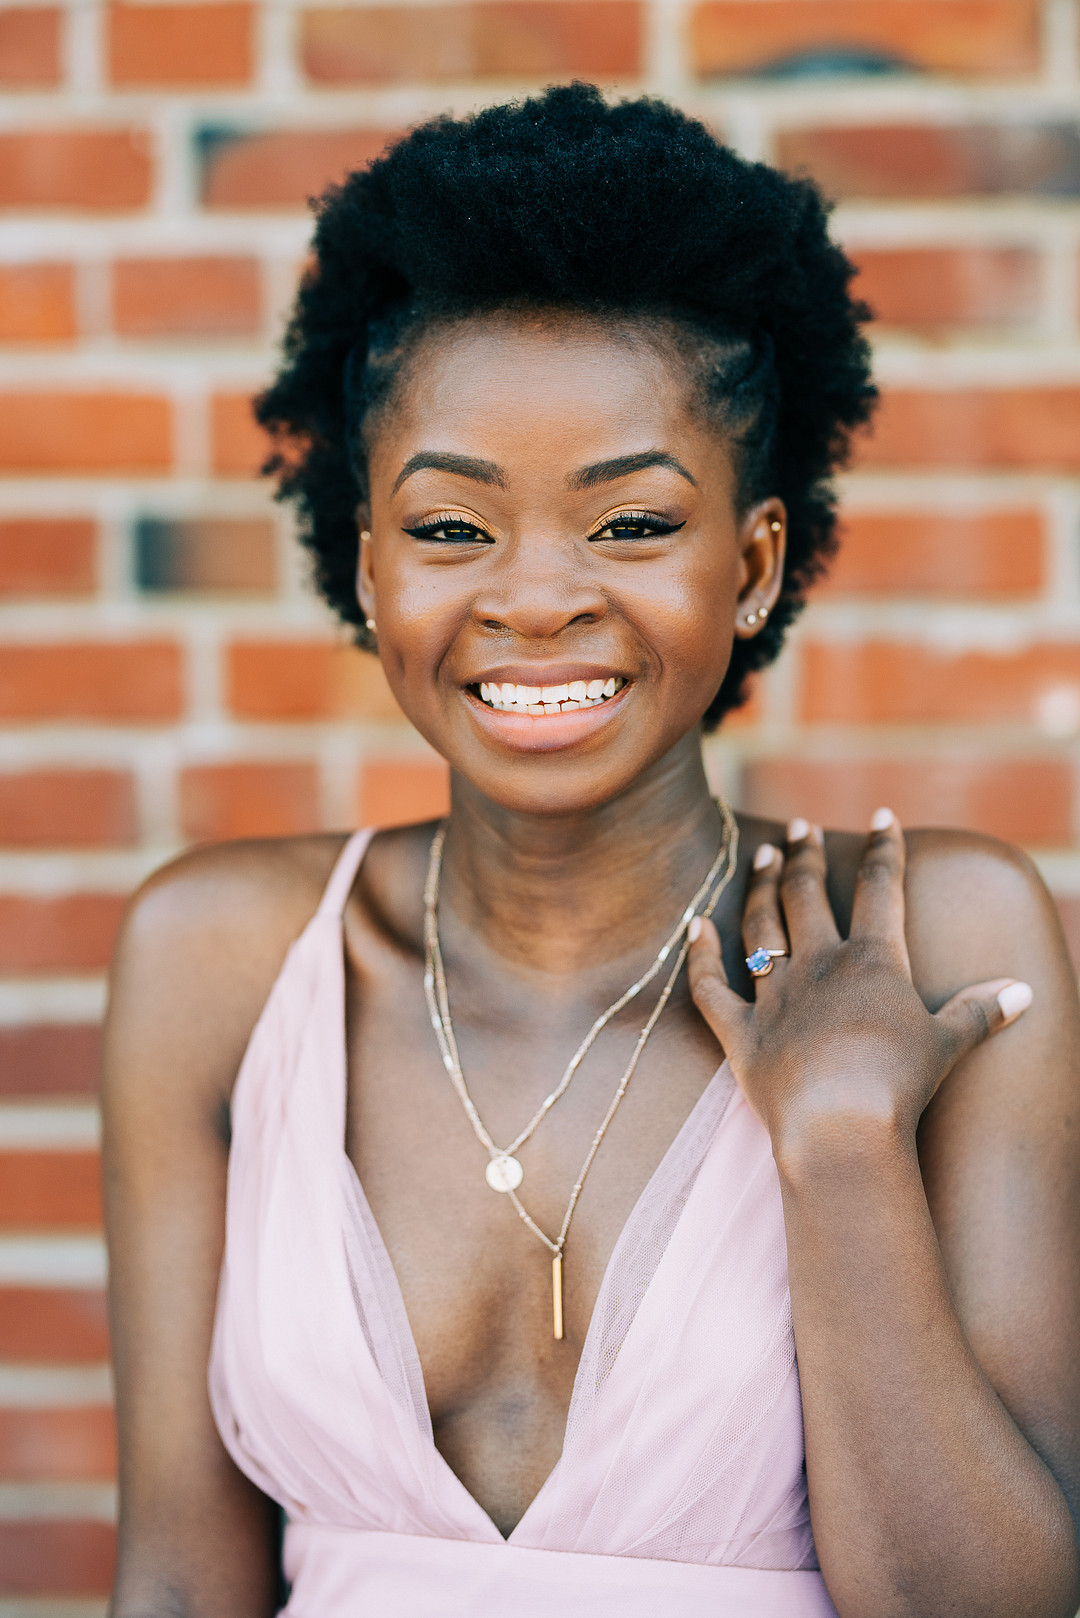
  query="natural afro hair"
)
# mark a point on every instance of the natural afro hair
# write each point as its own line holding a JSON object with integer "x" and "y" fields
{"x": 564, "y": 202}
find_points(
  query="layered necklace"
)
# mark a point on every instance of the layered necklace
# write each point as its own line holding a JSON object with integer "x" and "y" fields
{"x": 504, "y": 1172}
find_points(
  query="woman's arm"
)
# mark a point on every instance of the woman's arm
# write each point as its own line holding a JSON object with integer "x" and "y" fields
{"x": 197, "y": 957}
{"x": 937, "y": 1355}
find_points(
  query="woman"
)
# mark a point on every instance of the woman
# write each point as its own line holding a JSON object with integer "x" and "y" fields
{"x": 559, "y": 406}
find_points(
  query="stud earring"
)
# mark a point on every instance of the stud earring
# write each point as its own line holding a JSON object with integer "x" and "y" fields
{"x": 751, "y": 619}
{"x": 365, "y": 533}
{"x": 775, "y": 526}
{"x": 763, "y": 613}
{"x": 371, "y": 624}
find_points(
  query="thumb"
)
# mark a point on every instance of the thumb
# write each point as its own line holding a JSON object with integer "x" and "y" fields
{"x": 982, "y": 1009}
{"x": 725, "y": 1011}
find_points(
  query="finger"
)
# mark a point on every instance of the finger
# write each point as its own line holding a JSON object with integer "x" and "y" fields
{"x": 809, "y": 917}
{"x": 983, "y": 1009}
{"x": 726, "y": 1012}
{"x": 762, "y": 923}
{"x": 878, "y": 909}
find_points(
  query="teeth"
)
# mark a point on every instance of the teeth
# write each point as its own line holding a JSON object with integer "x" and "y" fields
{"x": 549, "y": 699}
{"x": 508, "y": 694}
{"x": 555, "y": 693}
{"x": 609, "y": 688}
{"x": 595, "y": 690}
{"x": 577, "y": 691}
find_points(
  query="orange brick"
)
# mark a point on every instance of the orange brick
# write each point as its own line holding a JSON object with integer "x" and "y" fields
{"x": 85, "y": 432}
{"x": 249, "y": 800}
{"x": 1023, "y": 800}
{"x": 74, "y": 933}
{"x": 57, "y": 1558}
{"x": 37, "y": 303}
{"x": 57, "y": 1446}
{"x": 939, "y": 553}
{"x": 239, "y": 444}
{"x": 975, "y": 37}
{"x": 53, "y": 1326}
{"x": 50, "y": 1190}
{"x": 595, "y": 39}
{"x": 67, "y": 809}
{"x": 210, "y": 554}
{"x": 29, "y": 47}
{"x": 977, "y": 427}
{"x": 929, "y": 287}
{"x": 282, "y": 168}
{"x": 177, "y": 47}
{"x": 93, "y": 170}
{"x": 397, "y": 791}
{"x": 125, "y": 681}
{"x": 927, "y": 160}
{"x": 306, "y": 680}
{"x": 186, "y": 297}
{"x": 49, "y": 556}
{"x": 899, "y": 683}
{"x": 46, "y": 1059}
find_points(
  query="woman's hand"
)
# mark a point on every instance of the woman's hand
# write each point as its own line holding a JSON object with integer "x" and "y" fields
{"x": 837, "y": 1034}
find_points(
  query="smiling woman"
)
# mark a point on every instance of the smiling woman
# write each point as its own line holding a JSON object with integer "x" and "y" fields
{"x": 598, "y": 1202}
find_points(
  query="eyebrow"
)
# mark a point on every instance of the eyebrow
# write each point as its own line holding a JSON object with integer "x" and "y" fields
{"x": 462, "y": 466}
{"x": 607, "y": 471}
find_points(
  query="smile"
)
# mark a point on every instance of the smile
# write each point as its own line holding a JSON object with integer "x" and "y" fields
{"x": 543, "y": 700}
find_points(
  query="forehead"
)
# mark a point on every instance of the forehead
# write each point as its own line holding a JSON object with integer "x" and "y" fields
{"x": 512, "y": 386}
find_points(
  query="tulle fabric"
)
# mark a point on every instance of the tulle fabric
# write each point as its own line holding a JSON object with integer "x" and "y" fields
{"x": 683, "y": 1455}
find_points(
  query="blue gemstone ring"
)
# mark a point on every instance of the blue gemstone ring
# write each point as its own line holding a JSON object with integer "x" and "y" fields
{"x": 760, "y": 962}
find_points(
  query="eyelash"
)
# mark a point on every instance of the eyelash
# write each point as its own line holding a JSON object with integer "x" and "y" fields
{"x": 656, "y": 526}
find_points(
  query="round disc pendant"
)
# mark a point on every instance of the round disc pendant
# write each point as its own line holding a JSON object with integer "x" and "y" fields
{"x": 504, "y": 1173}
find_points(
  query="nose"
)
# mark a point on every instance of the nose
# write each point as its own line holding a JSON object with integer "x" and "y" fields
{"x": 536, "y": 589}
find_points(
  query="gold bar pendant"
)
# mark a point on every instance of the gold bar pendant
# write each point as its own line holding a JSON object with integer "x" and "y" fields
{"x": 556, "y": 1295}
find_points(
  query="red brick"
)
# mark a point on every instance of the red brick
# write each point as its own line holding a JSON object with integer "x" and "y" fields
{"x": 306, "y": 680}
{"x": 898, "y": 683}
{"x": 249, "y": 800}
{"x": 1036, "y": 428}
{"x": 74, "y": 933}
{"x": 186, "y": 297}
{"x": 976, "y": 37}
{"x": 37, "y": 303}
{"x": 29, "y": 47}
{"x": 926, "y": 160}
{"x": 53, "y": 1326}
{"x": 49, "y": 1059}
{"x": 50, "y": 1191}
{"x": 177, "y": 47}
{"x": 54, "y": 1446}
{"x": 57, "y": 1558}
{"x": 283, "y": 168}
{"x": 125, "y": 681}
{"x": 91, "y": 170}
{"x": 67, "y": 809}
{"x": 1023, "y": 800}
{"x": 47, "y": 556}
{"x": 239, "y": 444}
{"x": 397, "y": 791}
{"x": 939, "y": 553}
{"x": 929, "y": 287}
{"x": 517, "y": 39}
{"x": 85, "y": 432}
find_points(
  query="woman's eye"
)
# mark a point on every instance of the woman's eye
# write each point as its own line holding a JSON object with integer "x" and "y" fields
{"x": 452, "y": 529}
{"x": 636, "y": 525}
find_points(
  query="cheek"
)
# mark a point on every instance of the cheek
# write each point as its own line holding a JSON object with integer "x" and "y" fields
{"x": 687, "y": 613}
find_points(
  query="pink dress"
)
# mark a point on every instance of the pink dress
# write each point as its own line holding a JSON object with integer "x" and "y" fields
{"x": 681, "y": 1488}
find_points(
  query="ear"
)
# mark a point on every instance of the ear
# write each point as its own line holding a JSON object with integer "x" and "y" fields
{"x": 365, "y": 581}
{"x": 762, "y": 547}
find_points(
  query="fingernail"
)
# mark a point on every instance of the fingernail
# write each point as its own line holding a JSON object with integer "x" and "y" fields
{"x": 764, "y": 855}
{"x": 881, "y": 819}
{"x": 1015, "y": 998}
{"x": 693, "y": 932}
{"x": 797, "y": 829}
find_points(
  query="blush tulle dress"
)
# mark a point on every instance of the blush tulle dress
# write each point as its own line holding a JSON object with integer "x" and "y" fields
{"x": 681, "y": 1488}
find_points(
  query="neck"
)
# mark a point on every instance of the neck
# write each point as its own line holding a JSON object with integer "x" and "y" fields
{"x": 561, "y": 895}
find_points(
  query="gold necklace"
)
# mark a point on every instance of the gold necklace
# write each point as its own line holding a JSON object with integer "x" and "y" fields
{"x": 504, "y": 1172}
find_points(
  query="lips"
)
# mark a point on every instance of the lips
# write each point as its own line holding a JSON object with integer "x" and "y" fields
{"x": 543, "y": 701}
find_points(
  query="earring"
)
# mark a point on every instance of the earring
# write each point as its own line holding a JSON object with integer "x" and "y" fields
{"x": 775, "y": 526}
{"x": 763, "y": 613}
{"x": 365, "y": 533}
{"x": 371, "y": 624}
{"x": 751, "y": 619}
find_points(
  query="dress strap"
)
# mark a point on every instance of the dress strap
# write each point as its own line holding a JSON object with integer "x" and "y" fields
{"x": 343, "y": 875}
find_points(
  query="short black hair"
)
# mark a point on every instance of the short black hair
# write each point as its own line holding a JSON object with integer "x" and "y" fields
{"x": 564, "y": 202}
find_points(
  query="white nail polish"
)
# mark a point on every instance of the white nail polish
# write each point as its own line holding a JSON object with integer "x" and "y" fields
{"x": 798, "y": 829}
{"x": 693, "y": 932}
{"x": 1015, "y": 998}
{"x": 764, "y": 856}
{"x": 881, "y": 819}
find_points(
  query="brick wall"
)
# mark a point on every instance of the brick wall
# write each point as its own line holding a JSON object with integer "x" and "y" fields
{"x": 165, "y": 675}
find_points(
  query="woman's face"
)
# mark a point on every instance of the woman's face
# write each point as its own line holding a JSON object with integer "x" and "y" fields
{"x": 549, "y": 511}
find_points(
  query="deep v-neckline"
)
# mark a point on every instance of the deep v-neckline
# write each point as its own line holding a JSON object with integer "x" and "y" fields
{"x": 402, "y": 1326}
